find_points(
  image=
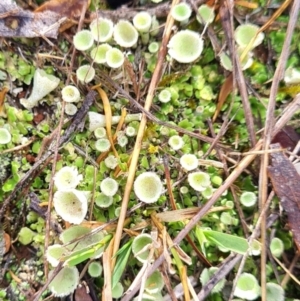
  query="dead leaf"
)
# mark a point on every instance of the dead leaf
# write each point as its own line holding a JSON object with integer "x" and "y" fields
{"x": 7, "y": 242}
{"x": 17, "y": 22}
{"x": 66, "y": 8}
{"x": 81, "y": 294}
{"x": 285, "y": 181}
{"x": 287, "y": 137}
{"x": 183, "y": 214}
{"x": 226, "y": 89}
{"x": 3, "y": 92}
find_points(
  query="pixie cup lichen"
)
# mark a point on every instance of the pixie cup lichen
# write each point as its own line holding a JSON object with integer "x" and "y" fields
{"x": 176, "y": 142}
{"x": 102, "y": 29}
{"x": 199, "y": 180}
{"x": 83, "y": 40}
{"x": 54, "y": 253}
{"x": 164, "y": 96}
{"x": 276, "y": 247}
{"x": 70, "y": 94}
{"x": 102, "y": 145}
{"x": 109, "y": 186}
{"x": 185, "y": 46}
{"x": 140, "y": 246}
{"x": 43, "y": 84}
{"x": 248, "y": 199}
{"x": 125, "y": 34}
{"x": 181, "y": 12}
{"x": 142, "y": 21}
{"x": 95, "y": 269}
{"x": 114, "y": 58}
{"x": 100, "y": 132}
{"x": 70, "y": 109}
{"x": 154, "y": 283}
{"x": 71, "y": 205}
{"x": 247, "y": 287}
{"x": 189, "y": 162}
{"x": 67, "y": 178}
{"x": 244, "y": 33}
{"x": 103, "y": 200}
{"x": 206, "y": 14}
{"x": 65, "y": 282}
{"x": 76, "y": 231}
{"x": 117, "y": 291}
{"x": 5, "y": 136}
{"x": 98, "y": 54}
{"x": 275, "y": 292}
{"x": 148, "y": 187}
{"x": 85, "y": 73}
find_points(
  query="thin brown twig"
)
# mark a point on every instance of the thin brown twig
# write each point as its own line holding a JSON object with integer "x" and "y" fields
{"x": 226, "y": 14}
{"x": 226, "y": 171}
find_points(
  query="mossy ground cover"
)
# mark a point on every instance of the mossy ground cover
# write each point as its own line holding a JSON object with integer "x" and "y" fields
{"x": 197, "y": 145}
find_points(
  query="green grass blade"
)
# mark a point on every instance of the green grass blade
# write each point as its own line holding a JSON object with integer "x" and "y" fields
{"x": 230, "y": 242}
{"x": 123, "y": 255}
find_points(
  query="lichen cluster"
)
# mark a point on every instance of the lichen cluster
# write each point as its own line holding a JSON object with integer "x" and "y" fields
{"x": 176, "y": 169}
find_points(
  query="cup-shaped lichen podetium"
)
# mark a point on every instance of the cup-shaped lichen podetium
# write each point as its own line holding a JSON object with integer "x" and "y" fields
{"x": 65, "y": 282}
{"x": 70, "y": 94}
{"x": 185, "y": 46}
{"x": 206, "y": 14}
{"x": 207, "y": 274}
{"x": 71, "y": 205}
{"x": 140, "y": 247}
{"x": 181, "y": 12}
{"x": 85, "y": 73}
{"x": 83, "y": 40}
{"x": 125, "y": 34}
{"x": 102, "y": 29}
{"x": 247, "y": 287}
{"x": 148, "y": 187}
{"x": 98, "y": 54}
{"x": 88, "y": 239}
{"x": 142, "y": 21}
{"x": 244, "y": 34}
{"x": 114, "y": 58}
{"x": 199, "y": 180}
{"x": 5, "y": 136}
{"x": 67, "y": 178}
{"x": 43, "y": 84}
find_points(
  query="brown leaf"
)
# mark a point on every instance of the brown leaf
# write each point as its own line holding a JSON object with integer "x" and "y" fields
{"x": 287, "y": 137}
{"x": 17, "y": 22}
{"x": 81, "y": 294}
{"x": 3, "y": 92}
{"x": 66, "y": 8}
{"x": 226, "y": 89}
{"x": 285, "y": 181}
{"x": 7, "y": 242}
